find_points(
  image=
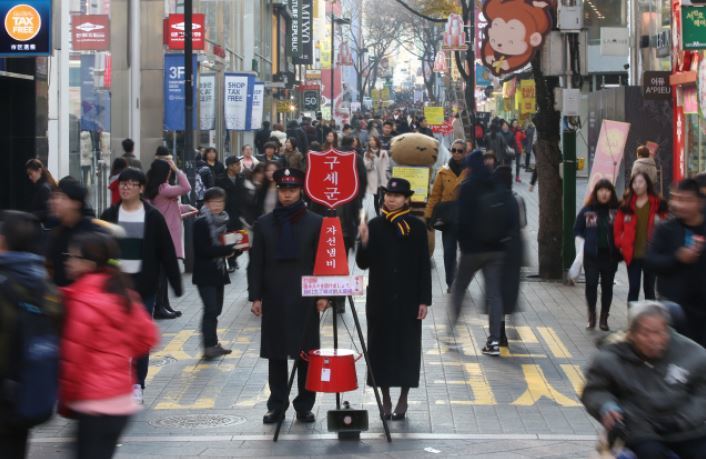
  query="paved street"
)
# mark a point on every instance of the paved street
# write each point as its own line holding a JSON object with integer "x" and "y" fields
{"x": 522, "y": 405}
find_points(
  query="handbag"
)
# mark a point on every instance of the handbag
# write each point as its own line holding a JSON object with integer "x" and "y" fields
{"x": 444, "y": 216}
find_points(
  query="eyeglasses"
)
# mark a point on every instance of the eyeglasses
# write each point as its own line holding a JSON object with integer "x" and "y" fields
{"x": 129, "y": 184}
{"x": 457, "y": 150}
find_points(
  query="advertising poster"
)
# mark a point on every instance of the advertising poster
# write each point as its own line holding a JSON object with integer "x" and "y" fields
{"x": 258, "y": 105}
{"x": 418, "y": 178}
{"x": 609, "y": 152}
{"x": 95, "y": 103}
{"x": 175, "y": 92}
{"x": 238, "y": 100}
{"x": 26, "y": 28}
{"x": 207, "y": 100}
{"x": 434, "y": 115}
{"x": 90, "y": 32}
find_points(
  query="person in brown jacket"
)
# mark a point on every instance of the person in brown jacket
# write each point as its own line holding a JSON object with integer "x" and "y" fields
{"x": 645, "y": 163}
{"x": 445, "y": 193}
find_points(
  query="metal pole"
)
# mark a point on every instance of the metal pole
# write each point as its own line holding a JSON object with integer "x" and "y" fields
{"x": 333, "y": 75}
{"x": 472, "y": 66}
{"x": 188, "y": 83}
{"x": 569, "y": 184}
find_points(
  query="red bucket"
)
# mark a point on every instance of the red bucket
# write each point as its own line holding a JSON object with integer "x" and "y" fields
{"x": 331, "y": 370}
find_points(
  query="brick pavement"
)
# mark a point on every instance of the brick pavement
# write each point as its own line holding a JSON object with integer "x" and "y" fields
{"x": 524, "y": 404}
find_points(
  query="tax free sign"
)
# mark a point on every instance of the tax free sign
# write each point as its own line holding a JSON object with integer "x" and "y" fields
{"x": 26, "y": 28}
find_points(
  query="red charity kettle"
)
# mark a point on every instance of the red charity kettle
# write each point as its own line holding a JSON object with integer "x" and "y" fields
{"x": 331, "y": 370}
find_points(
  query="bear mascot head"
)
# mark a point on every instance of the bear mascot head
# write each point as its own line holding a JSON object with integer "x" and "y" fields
{"x": 414, "y": 149}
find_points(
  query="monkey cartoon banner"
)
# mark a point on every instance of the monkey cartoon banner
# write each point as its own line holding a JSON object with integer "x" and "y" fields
{"x": 514, "y": 33}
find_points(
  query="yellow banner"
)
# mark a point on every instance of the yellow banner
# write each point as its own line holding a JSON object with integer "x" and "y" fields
{"x": 418, "y": 178}
{"x": 325, "y": 55}
{"x": 434, "y": 115}
{"x": 529, "y": 97}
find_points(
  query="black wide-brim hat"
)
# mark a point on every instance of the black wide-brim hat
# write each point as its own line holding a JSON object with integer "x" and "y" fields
{"x": 398, "y": 185}
{"x": 289, "y": 178}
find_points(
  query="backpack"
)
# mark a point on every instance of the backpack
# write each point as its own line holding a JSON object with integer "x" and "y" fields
{"x": 202, "y": 182}
{"x": 495, "y": 216}
{"x": 30, "y": 387}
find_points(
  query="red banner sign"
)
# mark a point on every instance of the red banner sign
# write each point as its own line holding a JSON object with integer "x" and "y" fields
{"x": 174, "y": 36}
{"x": 90, "y": 32}
{"x": 332, "y": 177}
{"x": 443, "y": 129}
{"x": 331, "y": 258}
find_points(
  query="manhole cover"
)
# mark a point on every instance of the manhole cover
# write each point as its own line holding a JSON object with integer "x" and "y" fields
{"x": 164, "y": 361}
{"x": 197, "y": 421}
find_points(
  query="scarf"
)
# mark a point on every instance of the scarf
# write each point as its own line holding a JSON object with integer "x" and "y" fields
{"x": 400, "y": 219}
{"x": 217, "y": 225}
{"x": 285, "y": 219}
{"x": 455, "y": 167}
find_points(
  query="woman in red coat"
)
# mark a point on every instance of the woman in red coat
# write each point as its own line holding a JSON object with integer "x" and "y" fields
{"x": 632, "y": 230}
{"x": 105, "y": 328}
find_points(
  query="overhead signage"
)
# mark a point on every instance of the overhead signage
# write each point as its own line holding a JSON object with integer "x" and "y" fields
{"x": 90, "y": 32}
{"x": 207, "y": 100}
{"x": 174, "y": 31}
{"x": 454, "y": 34}
{"x": 514, "y": 33}
{"x": 238, "y": 100}
{"x": 655, "y": 85}
{"x": 175, "y": 92}
{"x": 434, "y": 115}
{"x": 26, "y": 28}
{"x": 301, "y": 44}
{"x": 311, "y": 97}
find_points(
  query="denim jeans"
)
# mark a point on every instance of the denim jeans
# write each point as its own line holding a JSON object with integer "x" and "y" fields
{"x": 212, "y": 298}
{"x": 491, "y": 263}
{"x": 637, "y": 273}
{"x": 654, "y": 449}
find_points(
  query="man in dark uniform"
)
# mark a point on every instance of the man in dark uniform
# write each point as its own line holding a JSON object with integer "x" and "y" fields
{"x": 283, "y": 250}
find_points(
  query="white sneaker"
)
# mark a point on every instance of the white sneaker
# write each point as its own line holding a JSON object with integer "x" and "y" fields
{"x": 137, "y": 394}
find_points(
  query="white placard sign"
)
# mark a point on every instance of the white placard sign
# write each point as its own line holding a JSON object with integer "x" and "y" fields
{"x": 258, "y": 105}
{"x": 207, "y": 102}
{"x": 324, "y": 286}
{"x": 236, "y": 101}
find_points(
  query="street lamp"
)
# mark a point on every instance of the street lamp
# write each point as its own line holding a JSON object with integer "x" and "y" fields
{"x": 334, "y": 21}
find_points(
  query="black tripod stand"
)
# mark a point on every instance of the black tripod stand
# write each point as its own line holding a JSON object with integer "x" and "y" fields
{"x": 364, "y": 348}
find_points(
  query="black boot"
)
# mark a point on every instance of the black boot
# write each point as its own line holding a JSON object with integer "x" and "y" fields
{"x": 591, "y": 318}
{"x": 603, "y": 324}
{"x": 161, "y": 313}
{"x": 168, "y": 308}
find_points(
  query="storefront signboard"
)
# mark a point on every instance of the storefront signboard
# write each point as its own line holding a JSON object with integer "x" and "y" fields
{"x": 301, "y": 39}
{"x": 90, "y": 32}
{"x": 174, "y": 27}
{"x": 655, "y": 85}
{"x": 701, "y": 82}
{"x": 26, "y": 28}
{"x": 693, "y": 27}
{"x": 175, "y": 92}
{"x": 238, "y": 100}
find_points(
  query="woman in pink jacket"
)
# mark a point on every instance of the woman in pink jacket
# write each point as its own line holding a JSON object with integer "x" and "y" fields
{"x": 166, "y": 198}
{"x": 105, "y": 328}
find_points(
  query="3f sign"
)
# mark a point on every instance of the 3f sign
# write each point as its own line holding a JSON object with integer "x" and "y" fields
{"x": 176, "y": 72}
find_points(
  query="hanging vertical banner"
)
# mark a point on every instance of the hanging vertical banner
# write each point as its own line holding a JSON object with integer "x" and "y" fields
{"x": 258, "y": 105}
{"x": 300, "y": 39}
{"x": 207, "y": 99}
{"x": 238, "y": 100}
{"x": 175, "y": 91}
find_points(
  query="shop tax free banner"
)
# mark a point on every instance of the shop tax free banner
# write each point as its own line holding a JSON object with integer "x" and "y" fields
{"x": 26, "y": 28}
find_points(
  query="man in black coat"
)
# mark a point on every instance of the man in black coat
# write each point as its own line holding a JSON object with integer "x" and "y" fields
{"x": 283, "y": 250}
{"x": 145, "y": 248}
{"x": 676, "y": 254}
{"x": 294, "y": 131}
{"x": 262, "y": 136}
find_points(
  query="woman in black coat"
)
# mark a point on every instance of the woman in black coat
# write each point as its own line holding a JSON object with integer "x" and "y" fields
{"x": 44, "y": 184}
{"x": 394, "y": 247}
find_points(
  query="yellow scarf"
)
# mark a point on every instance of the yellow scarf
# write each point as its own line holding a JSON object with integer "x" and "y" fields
{"x": 399, "y": 218}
